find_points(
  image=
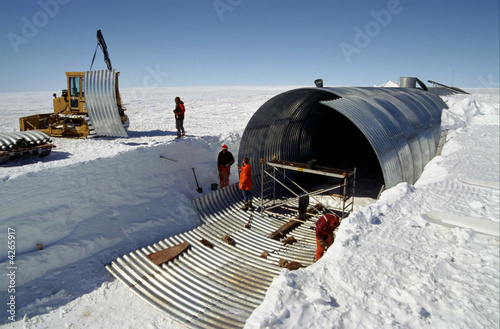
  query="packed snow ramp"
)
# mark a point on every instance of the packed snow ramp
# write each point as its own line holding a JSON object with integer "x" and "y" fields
{"x": 101, "y": 103}
{"x": 396, "y": 130}
{"x": 220, "y": 279}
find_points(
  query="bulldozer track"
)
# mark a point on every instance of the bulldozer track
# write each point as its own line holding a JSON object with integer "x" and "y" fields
{"x": 218, "y": 286}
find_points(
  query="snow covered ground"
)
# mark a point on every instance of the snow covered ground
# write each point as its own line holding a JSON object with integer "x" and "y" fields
{"x": 424, "y": 255}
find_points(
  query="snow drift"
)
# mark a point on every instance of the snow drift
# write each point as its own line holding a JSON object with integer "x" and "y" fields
{"x": 406, "y": 260}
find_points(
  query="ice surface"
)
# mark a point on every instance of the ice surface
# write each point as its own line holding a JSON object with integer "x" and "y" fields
{"x": 91, "y": 201}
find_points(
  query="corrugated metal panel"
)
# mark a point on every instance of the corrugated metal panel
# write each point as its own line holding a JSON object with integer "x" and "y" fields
{"x": 33, "y": 137}
{"x": 281, "y": 127}
{"x": 16, "y": 143}
{"x": 216, "y": 287}
{"x": 101, "y": 103}
{"x": 402, "y": 125}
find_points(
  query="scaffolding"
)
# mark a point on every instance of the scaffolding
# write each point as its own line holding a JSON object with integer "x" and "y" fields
{"x": 274, "y": 174}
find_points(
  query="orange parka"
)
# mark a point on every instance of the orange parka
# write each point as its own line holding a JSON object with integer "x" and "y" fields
{"x": 246, "y": 177}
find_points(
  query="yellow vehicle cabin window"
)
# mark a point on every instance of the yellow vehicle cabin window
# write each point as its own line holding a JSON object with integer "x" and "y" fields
{"x": 74, "y": 84}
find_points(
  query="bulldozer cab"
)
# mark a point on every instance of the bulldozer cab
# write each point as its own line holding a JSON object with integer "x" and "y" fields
{"x": 76, "y": 92}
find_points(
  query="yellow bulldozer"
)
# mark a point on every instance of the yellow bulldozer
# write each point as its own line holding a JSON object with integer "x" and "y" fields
{"x": 89, "y": 106}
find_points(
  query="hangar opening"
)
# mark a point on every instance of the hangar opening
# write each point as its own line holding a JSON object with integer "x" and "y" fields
{"x": 337, "y": 143}
{"x": 387, "y": 134}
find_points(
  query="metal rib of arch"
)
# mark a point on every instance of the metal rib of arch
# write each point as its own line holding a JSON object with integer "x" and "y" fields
{"x": 402, "y": 125}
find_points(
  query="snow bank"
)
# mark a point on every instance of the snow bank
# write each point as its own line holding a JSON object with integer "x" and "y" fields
{"x": 392, "y": 264}
{"x": 392, "y": 267}
{"x": 91, "y": 201}
{"x": 389, "y": 84}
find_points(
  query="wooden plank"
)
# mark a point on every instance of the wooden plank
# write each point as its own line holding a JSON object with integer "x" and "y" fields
{"x": 293, "y": 223}
{"x": 167, "y": 254}
{"x": 296, "y": 166}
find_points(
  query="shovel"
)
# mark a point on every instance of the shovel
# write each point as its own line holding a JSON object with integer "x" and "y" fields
{"x": 249, "y": 224}
{"x": 199, "y": 188}
{"x": 161, "y": 156}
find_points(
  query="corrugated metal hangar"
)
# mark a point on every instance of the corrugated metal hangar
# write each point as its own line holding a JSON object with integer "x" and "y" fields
{"x": 392, "y": 131}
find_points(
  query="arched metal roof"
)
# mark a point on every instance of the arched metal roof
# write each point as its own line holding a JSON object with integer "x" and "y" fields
{"x": 218, "y": 286}
{"x": 402, "y": 126}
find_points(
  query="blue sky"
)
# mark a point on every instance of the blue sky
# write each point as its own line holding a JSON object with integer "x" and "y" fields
{"x": 250, "y": 42}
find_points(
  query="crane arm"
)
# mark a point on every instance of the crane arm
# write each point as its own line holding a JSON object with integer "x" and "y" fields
{"x": 104, "y": 48}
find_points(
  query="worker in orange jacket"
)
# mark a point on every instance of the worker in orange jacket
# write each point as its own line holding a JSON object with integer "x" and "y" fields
{"x": 179, "y": 111}
{"x": 246, "y": 183}
{"x": 325, "y": 226}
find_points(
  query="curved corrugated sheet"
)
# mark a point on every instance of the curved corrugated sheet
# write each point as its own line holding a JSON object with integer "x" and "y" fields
{"x": 101, "y": 103}
{"x": 217, "y": 287}
{"x": 16, "y": 143}
{"x": 33, "y": 137}
{"x": 402, "y": 125}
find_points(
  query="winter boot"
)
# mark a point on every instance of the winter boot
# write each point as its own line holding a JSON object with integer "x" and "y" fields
{"x": 245, "y": 207}
{"x": 250, "y": 204}
{"x": 178, "y": 135}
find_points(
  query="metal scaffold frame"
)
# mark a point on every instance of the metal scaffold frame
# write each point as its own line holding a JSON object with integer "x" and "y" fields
{"x": 275, "y": 172}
